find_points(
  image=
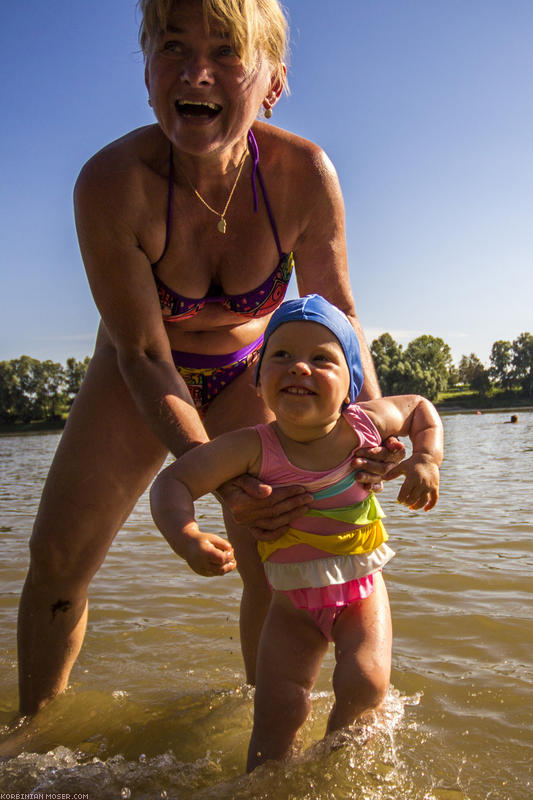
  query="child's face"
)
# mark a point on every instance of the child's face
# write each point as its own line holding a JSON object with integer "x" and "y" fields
{"x": 304, "y": 377}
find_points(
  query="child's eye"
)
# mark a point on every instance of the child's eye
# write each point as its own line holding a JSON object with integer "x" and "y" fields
{"x": 281, "y": 354}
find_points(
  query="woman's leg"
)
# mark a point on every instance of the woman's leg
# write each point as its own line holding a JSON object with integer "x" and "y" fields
{"x": 363, "y": 642}
{"x": 106, "y": 458}
{"x": 290, "y": 653}
{"x": 236, "y": 407}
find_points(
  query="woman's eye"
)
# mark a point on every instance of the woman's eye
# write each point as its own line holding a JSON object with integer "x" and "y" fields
{"x": 172, "y": 46}
{"x": 227, "y": 52}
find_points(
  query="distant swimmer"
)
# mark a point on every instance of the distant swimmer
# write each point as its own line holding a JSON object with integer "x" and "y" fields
{"x": 514, "y": 418}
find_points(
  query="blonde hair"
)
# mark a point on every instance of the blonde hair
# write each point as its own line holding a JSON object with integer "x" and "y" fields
{"x": 252, "y": 26}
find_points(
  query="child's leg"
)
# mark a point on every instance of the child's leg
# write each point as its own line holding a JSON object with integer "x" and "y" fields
{"x": 290, "y": 653}
{"x": 363, "y": 642}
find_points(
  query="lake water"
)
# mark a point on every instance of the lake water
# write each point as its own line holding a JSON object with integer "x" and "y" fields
{"x": 158, "y": 707}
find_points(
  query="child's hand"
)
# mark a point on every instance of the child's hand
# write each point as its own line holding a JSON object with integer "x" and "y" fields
{"x": 209, "y": 554}
{"x": 421, "y": 486}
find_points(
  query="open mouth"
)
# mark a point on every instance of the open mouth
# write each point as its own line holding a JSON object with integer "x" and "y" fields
{"x": 188, "y": 108}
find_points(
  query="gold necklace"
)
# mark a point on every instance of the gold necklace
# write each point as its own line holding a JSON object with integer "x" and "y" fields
{"x": 221, "y": 225}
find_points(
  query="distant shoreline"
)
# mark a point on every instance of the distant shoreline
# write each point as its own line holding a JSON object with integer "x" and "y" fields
{"x": 445, "y": 410}
{"x": 43, "y": 426}
{"x": 40, "y": 426}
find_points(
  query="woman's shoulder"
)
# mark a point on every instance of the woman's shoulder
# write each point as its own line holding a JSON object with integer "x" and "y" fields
{"x": 125, "y": 172}
{"x": 301, "y": 178}
{"x": 126, "y": 159}
{"x": 281, "y": 147}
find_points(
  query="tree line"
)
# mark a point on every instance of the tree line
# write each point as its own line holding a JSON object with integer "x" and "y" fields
{"x": 32, "y": 390}
{"x": 425, "y": 367}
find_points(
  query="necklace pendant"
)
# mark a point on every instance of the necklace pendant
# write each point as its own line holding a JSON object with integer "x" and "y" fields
{"x": 221, "y": 226}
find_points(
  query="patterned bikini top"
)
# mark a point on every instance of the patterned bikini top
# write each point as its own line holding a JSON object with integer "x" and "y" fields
{"x": 256, "y": 303}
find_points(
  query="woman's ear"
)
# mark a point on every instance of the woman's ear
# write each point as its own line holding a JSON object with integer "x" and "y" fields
{"x": 277, "y": 82}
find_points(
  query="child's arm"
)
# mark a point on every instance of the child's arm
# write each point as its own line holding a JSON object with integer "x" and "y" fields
{"x": 416, "y": 417}
{"x": 198, "y": 472}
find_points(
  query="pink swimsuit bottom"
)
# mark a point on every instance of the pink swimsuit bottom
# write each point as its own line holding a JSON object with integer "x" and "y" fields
{"x": 325, "y": 604}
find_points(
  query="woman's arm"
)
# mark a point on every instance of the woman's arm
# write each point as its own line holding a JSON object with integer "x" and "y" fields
{"x": 108, "y": 210}
{"x": 320, "y": 251}
{"x": 198, "y": 472}
{"x": 416, "y": 417}
{"x": 321, "y": 264}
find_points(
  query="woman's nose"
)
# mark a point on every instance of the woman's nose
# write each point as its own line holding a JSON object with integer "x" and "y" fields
{"x": 196, "y": 72}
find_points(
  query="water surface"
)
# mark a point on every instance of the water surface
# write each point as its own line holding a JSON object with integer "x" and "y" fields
{"x": 158, "y": 707}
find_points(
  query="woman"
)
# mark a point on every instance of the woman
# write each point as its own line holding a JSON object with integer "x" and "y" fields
{"x": 188, "y": 229}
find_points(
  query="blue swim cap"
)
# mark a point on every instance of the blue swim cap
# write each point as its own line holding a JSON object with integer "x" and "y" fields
{"x": 314, "y": 308}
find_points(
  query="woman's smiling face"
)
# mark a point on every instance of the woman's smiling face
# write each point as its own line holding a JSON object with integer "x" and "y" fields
{"x": 203, "y": 96}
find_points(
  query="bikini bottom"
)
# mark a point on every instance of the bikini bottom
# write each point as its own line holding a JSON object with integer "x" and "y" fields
{"x": 206, "y": 375}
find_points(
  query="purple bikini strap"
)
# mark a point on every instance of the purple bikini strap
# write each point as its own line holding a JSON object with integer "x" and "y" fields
{"x": 254, "y": 152}
{"x": 170, "y": 197}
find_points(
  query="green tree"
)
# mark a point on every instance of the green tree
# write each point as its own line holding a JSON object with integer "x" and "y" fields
{"x": 389, "y": 363}
{"x": 453, "y": 377}
{"x": 8, "y": 391}
{"x": 423, "y": 368}
{"x": 472, "y": 371}
{"x": 480, "y": 383}
{"x": 522, "y": 360}
{"x": 433, "y": 359}
{"x": 74, "y": 375}
{"x": 469, "y": 368}
{"x": 35, "y": 390}
{"x": 49, "y": 386}
{"x": 501, "y": 363}
{"x": 26, "y": 383}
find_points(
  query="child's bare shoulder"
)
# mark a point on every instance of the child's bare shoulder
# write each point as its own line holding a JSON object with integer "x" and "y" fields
{"x": 243, "y": 445}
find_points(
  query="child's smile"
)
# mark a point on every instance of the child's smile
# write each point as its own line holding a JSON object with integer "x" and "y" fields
{"x": 304, "y": 377}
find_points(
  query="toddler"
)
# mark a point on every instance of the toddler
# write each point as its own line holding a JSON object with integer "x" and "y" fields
{"x": 326, "y": 568}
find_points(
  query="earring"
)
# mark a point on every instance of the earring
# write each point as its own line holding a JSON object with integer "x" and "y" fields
{"x": 268, "y": 113}
{"x": 149, "y": 101}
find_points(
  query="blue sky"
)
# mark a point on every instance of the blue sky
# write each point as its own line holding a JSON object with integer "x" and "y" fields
{"x": 424, "y": 106}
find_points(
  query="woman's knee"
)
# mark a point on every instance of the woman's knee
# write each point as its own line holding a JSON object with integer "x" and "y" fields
{"x": 73, "y": 530}
{"x": 61, "y": 558}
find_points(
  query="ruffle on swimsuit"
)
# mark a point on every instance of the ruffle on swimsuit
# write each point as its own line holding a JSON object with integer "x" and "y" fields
{"x": 335, "y": 596}
{"x": 320, "y": 572}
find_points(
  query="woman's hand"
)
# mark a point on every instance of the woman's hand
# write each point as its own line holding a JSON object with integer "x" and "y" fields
{"x": 266, "y": 511}
{"x": 374, "y": 463}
